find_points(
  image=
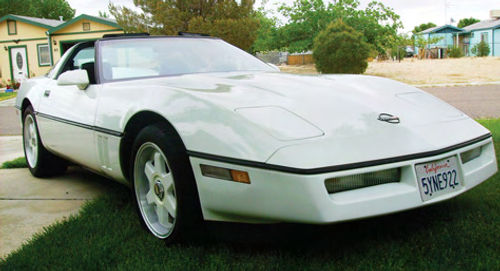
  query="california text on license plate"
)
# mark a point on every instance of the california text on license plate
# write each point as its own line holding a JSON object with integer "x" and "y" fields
{"x": 438, "y": 177}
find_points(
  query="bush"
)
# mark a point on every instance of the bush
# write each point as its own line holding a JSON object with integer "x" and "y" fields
{"x": 481, "y": 49}
{"x": 454, "y": 52}
{"x": 340, "y": 49}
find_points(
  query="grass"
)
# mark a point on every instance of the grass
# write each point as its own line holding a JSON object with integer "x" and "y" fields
{"x": 459, "y": 234}
{"x": 16, "y": 163}
{"x": 7, "y": 95}
{"x": 428, "y": 71}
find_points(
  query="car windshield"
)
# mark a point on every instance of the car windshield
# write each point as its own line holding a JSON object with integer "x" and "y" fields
{"x": 135, "y": 58}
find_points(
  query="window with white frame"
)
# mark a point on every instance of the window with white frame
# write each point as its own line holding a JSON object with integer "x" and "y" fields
{"x": 43, "y": 55}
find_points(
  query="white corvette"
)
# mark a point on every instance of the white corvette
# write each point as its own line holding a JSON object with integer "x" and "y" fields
{"x": 202, "y": 130}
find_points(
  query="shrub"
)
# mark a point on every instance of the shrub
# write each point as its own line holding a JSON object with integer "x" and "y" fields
{"x": 340, "y": 49}
{"x": 481, "y": 49}
{"x": 454, "y": 52}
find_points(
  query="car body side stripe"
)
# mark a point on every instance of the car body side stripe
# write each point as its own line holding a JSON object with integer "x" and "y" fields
{"x": 81, "y": 125}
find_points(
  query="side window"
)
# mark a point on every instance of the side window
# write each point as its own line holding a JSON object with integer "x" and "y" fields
{"x": 83, "y": 57}
{"x": 53, "y": 73}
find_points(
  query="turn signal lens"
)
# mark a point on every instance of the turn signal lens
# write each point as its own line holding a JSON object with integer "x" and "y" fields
{"x": 225, "y": 174}
{"x": 240, "y": 176}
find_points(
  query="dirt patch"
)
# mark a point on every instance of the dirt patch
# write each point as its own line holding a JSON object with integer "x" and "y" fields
{"x": 427, "y": 71}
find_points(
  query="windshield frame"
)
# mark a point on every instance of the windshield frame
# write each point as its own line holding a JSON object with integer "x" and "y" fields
{"x": 98, "y": 57}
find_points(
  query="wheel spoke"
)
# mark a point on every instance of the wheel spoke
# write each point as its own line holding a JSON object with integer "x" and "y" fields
{"x": 149, "y": 170}
{"x": 162, "y": 216}
{"x": 170, "y": 204}
{"x": 168, "y": 181}
{"x": 150, "y": 197}
{"x": 32, "y": 130}
{"x": 160, "y": 163}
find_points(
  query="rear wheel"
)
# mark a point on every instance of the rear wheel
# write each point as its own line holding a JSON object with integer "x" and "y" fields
{"x": 41, "y": 163}
{"x": 163, "y": 184}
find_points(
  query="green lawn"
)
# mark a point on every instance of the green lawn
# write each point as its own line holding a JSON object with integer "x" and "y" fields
{"x": 7, "y": 95}
{"x": 459, "y": 234}
{"x": 16, "y": 163}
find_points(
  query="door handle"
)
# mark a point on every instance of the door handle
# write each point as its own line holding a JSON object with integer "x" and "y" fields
{"x": 46, "y": 93}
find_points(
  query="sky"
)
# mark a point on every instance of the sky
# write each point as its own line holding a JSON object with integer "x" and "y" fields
{"x": 412, "y": 12}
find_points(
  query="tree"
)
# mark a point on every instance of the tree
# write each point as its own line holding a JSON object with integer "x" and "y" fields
{"x": 398, "y": 50}
{"x": 267, "y": 33}
{"x": 49, "y": 9}
{"x": 306, "y": 18}
{"x": 422, "y": 27}
{"x": 467, "y": 21}
{"x": 340, "y": 49}
{"x": 481, "y": 49}
{"x": 103, "y": 14}
{"x": 229, "y": 20}
{"x": 423, "y": 45}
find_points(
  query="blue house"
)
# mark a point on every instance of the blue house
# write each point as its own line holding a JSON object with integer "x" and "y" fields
{"x": 448, "y": 37}
{"x": 487, "y": 31}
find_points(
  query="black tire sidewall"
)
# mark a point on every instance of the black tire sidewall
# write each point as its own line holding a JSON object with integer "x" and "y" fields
{"x": 36, "y": 170}
{"x": 47, "y": 164}
{"x": 185, "y": 187}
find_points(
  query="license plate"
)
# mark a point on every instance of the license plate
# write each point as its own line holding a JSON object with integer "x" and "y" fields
{"x": 438, "y": 177}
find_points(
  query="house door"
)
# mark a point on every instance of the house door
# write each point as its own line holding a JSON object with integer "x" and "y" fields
{"x": 19, "y": 63}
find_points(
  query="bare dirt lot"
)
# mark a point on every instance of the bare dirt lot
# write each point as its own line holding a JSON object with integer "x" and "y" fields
{"x": 428, "y": 71}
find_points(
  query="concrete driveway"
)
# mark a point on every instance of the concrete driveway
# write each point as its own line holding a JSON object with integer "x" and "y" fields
{"x": 28, "y": 204}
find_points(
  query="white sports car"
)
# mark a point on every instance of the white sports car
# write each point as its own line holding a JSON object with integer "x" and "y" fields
{"x": 199, "y": 129}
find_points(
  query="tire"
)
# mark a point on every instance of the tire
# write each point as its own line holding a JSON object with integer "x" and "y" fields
{"x": 41, "y": 162}
{"x": 163, "y": 184}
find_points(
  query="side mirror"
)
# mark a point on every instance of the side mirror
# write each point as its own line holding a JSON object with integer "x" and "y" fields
{"x": 79, "y": 78}
{"x": 274, "y": 67}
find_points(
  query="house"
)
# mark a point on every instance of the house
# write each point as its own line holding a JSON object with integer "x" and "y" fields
{"x": 487, "y": 31}
{"x": 32, "y": 45}
{"x": 447, "y": 35}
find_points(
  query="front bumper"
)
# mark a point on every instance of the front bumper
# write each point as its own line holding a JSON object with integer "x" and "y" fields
{"x": 275, "y": 196}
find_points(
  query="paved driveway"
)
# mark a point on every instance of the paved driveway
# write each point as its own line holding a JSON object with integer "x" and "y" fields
{"x": 9, "y": 121}
{"x": 475, "y": 101}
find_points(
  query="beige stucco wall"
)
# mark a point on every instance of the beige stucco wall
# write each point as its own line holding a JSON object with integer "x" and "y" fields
{"x": 24, "y": 31}
{"x": 31, "y": 35}
{"x": 74, "y": 32}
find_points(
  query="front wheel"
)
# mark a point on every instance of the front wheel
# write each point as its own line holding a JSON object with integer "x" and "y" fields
{"x": 41, "y": 163}
{"x": 163, "y": 184}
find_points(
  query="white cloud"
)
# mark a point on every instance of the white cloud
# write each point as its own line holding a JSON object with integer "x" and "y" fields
{"x": 92, "y": 7}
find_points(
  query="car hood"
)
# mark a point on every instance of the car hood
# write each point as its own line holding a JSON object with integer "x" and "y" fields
{"x": 331, "y": 119}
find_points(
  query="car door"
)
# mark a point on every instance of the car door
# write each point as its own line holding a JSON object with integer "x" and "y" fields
{"x": 66, "y": 114}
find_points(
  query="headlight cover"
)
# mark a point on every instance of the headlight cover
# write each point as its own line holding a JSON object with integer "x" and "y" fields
{"x": 280, "y": 123}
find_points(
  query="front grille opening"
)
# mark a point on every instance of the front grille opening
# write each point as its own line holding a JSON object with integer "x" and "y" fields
{"x": 339, "y": 184}
{"x": 470, "y": 155}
